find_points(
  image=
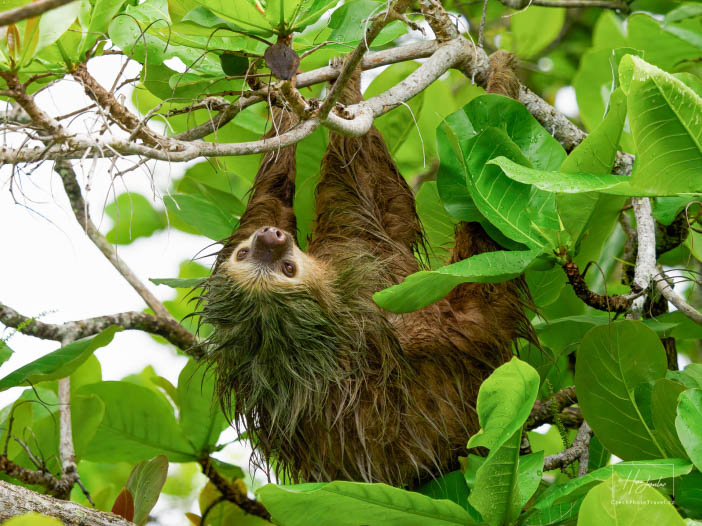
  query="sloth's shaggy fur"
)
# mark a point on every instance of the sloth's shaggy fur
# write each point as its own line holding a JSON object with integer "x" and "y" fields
{"x": 328, "y": 385}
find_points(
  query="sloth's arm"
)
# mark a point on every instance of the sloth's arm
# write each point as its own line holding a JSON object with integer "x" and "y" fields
{"x": 361, "y": 197}
{"x": 271, "y": 197}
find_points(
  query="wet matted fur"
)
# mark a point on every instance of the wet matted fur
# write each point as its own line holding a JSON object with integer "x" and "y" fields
{"x": 327, "y": 385}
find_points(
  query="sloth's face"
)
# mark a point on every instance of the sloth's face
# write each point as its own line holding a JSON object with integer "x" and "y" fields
{"x": 270, "y": 258}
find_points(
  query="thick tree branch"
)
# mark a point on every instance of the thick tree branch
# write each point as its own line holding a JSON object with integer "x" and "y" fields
{"x": 27, "y": 11}
{"x": 17, "y": 500}
{"x": 578, "y": 451}
{"x": 231, "y": 493}
{"x": 67, "y": 453}
{"x": 171, "y": 330}
{"x": 645, "y": 267}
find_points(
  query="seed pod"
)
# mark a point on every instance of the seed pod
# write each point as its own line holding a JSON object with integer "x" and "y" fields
{"x": 282, "y": 61}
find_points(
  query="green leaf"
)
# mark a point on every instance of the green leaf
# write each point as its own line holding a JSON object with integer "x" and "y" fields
{"x": 308, "y": 156}
{"x": 138, "y": 424}
{"x": 665, "y": 117}
{"x": 595, "y": 155}
{"x": 691, "y": 376}
{"x": 101, "y": 14}
{"x": 134, "y": 217}
{"x": 496, "y": 493}
{"x": 343, "y": 503}
{"x": 625, "y": 503}
{"x": 228, "y": 470}
{"x": 55, "y": 23}
{"x": 202, "y": 215}
{"x": 60, "y": 363}
{"x": 349, "y": 21}
{"x": 451, "y": 486}
{"x": 666, "y": 209}
{"x": 243, "y": 15}
{"x": 650, "y": 470}
{"x": 611, "y": 362}
{"x": 280, "y": 13}
{"x": 535, "y": 28}
{"x": 531, "y": 468}
{"x": 200, "y": 417}
{"x": 438, "y": 225}
{"x": 178, "y": 283}
{"x": 425, "y": 287}
{"x": 688, "y": 423}
{"x": 311, "y": 11}
{"x": 5, "y": 352}
{"x": 560, "y": 182}
{"x": 504, "y": 402}
{"x": 664, "y": 402}
{"x": 688, "y": 494}
{"x": 501, "y": 199}
{"x": 32, "y": 519}
{"x": 145, "y": 483}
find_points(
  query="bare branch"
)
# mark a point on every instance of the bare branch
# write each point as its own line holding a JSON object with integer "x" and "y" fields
{"x": 543, "y": 410}
{"x": 168, "y": 329}
{"x": 67, "y": 454}
{"x": 645, "y": 267}
{"x": 577, "y": 451}
{"x": 17, "y": 500}
{"x": 673, "y": 297}
{"x": 28, "y": 11}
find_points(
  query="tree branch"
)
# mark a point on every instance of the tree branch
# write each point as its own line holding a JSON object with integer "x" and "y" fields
{"x": 231, "y": 493}
{"x": 645, "y": 267}
{"x": 17, "y": 500}
{"x": 544, "y": 410}
{"x": 80, "y": 210}
{"x": 171, "y": 330}
{"x": 673, "y": 297}
{"x": 619, "y": 303}
{"x": 578, "y": 451}
{"x": 28, "y": 11}
{"x": 521, "y": 4}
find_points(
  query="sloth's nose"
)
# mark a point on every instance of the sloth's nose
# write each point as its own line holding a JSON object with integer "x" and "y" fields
{"x": 269, "y": 244}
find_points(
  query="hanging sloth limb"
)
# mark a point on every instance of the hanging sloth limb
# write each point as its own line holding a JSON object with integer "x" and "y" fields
{"x": 327, "y": 384}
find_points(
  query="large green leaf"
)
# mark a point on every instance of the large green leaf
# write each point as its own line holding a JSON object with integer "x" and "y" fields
{"x": 202, "y": 214}
{"x": 688, "y": 423}
{"x": 133, "y": 217}
{"x": 243, "y": 15}
{"x": 504, "y": 402}
{"x": 621, "y": 502}
{"x": 451, "y": 486}
{"x": 595, "y": 155}
{"x": 534, "y": 28}
{"x": 343, "y": 503}
{"x": 569, "y": 183}
{"x": 438, "y": 225}
{"x": 138, "y": 424}
{"x": 665, "y": 117}
{"x": 650, "y": 470}
{"x": 611, "y": 362}
{"x": 664, "y": 402}
{"x": 500, "y": 199}
{"x": 145, "y": 483}
{"x": 425, "y": 287}
{"x": 201, "y": 418}
{"x": 101, "y": 14}
{"x": 60, "y": 363}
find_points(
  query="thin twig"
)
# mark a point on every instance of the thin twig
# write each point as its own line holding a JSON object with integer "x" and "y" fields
{"x": 28, "y": 11}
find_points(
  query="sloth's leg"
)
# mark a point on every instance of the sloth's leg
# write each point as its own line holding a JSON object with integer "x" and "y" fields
{"x": 361, "y": 197}
{"x": 271, "y": 196}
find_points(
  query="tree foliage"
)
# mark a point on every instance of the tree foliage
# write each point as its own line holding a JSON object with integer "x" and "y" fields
{"x": 602, "y": 226}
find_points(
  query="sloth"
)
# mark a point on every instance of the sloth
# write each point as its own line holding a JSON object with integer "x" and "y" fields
{"x": 326, "y": 384}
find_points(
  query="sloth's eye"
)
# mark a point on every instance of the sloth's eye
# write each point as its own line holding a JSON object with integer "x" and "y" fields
{"x": 288, "y": 269}
{"x": 242, "y": 253}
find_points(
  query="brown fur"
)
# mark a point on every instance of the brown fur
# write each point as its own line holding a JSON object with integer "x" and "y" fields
{"x": 406, "y": 408}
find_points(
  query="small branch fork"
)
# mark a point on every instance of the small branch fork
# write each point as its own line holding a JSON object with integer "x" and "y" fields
{"x": 580, "y": 450}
